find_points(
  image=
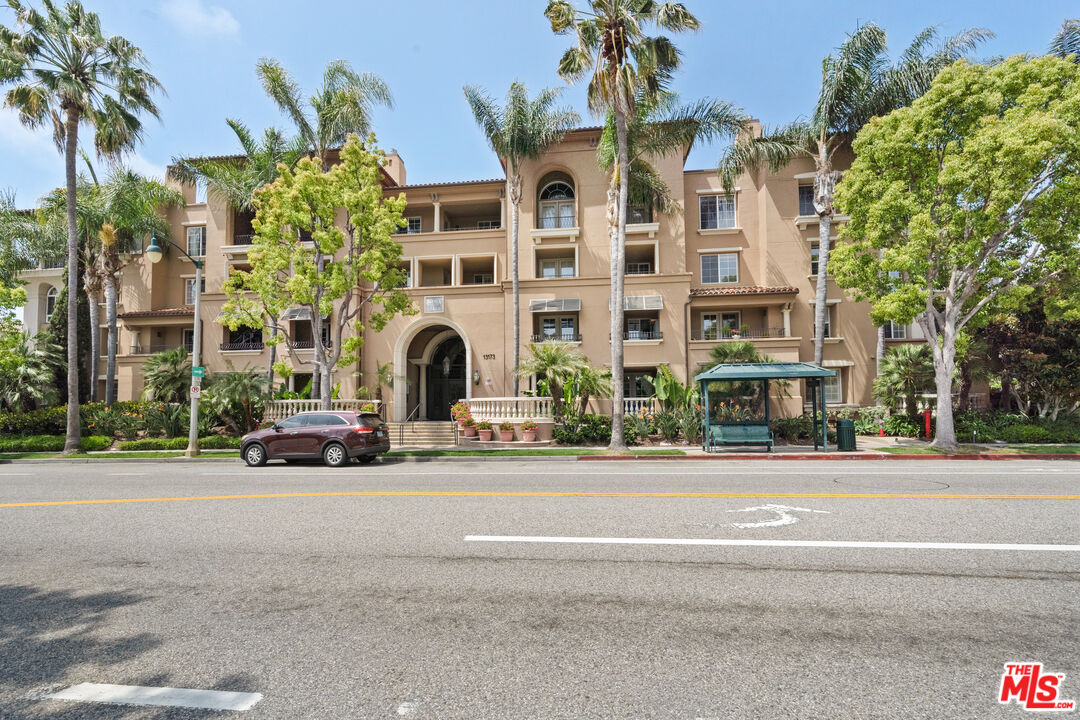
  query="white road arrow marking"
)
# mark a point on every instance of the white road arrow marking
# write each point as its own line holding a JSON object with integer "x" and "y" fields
{"x": 784, "y": 515}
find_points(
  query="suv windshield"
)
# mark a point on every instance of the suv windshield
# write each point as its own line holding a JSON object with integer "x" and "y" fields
{"x": 370, "y": 419}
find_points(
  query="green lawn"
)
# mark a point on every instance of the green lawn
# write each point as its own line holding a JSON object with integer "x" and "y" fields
{"x": 527, "y": 452}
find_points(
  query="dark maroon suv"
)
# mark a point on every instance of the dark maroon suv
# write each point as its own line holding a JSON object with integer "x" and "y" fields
{"x": 335, "y": 436}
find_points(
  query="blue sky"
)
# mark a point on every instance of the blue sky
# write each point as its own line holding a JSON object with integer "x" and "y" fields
{"x": 763, "y": 56}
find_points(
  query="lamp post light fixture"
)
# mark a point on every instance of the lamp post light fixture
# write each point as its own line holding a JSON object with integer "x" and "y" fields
{"x": 155, "y": 252}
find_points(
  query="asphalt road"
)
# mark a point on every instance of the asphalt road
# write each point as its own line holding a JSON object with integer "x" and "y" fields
{"x": 376, "y": 606}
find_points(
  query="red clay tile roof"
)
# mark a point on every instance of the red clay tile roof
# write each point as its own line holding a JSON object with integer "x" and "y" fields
{"x": 743, "y": 290}
{"x": 445, "y": 184}
{"x": 163, "y": 312}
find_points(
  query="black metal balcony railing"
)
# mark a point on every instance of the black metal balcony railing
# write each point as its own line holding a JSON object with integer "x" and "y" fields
{"x": 557, "y": 222}
{"x": 242, "y": 239}
{"x": 253, "y": 345}
{"x": 564, "y": 337}
{"x": 51, "y": 262}
{"x": 642, "y": 335}
{"x": 309, "y": 344}
{"x": 749, "y": 334}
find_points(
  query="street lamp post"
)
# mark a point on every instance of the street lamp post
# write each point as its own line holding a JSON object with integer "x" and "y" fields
{"x": 155, "y": 253}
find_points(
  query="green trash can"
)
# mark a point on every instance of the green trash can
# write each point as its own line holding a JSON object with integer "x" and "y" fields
{"x": 845, "y": 435}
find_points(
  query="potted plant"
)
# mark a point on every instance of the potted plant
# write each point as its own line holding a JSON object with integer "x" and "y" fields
{"x": 528, "y": 431}
{"x": 469, "y": 425}
{"x": 745, "y": 329}
{"x": 506, "y": 431}
{"x": 459, "y": 411}
{"x": 485, "y": 430}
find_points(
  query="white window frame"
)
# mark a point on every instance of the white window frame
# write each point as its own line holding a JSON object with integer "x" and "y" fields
{"x": 556, "y": 210}
{"x": 187, "y": 338}
{"x": 564, "y": 327}
{"x": 894, "y": 331}
{"x": 834, "y": 388}
{"x": 488, "y": 224}
{"x": 559, "y": 265}
{"x": 409, "y": 229}
{"x": 719, "y": 280}
{"x": 51, "y": 296}
{"x": 799, "y": 199}
{"x": 828, "y": 321}
{"x": 201, "y": 191}
{"x": 200, "y": 230}
{"x": 189, "y": 290}
{"x": 714, "y": 199}
{"x": 636, "y": 268}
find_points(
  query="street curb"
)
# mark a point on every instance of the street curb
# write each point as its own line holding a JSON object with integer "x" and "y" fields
{"x": 838, "y": 456}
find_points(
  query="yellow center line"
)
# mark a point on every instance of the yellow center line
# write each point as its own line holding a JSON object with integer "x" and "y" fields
{"x": 495, "y": 493}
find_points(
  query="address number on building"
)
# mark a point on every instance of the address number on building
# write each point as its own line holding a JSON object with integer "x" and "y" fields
{"x": 489, "y": 356}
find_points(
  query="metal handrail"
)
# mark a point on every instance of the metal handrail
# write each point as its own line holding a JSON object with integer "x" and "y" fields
{"x": 408, "y": 418}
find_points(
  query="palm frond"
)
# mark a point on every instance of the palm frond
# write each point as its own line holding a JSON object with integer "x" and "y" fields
{"x": 1066, "y": 41}
{"x": 771, "y": 150}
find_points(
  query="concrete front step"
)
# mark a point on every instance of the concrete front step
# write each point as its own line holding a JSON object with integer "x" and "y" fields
{"x": 421, "y": 434}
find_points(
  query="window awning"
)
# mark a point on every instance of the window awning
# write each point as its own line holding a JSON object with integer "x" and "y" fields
{"x": 296, "y": 314}
{"x": 641, "y": 302}
{"x": 555, "y": 305}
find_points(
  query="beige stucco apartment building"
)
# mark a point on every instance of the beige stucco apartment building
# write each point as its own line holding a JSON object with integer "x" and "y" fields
{"x": 728, "y": 265}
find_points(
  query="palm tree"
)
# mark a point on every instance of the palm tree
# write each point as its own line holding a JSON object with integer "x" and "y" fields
{"x": 623, "y": 63}
{"x": 1067, "y": 40}
{"x": 166, "y": 376}
{"x": 857, "y": 83}
{"x": 238, "y": 397}
{"x": 341, "y": 106}
{"x": 32, "y": 361}
{"x": 557, "y": 363}
{"x": 906, "y": 372}
{"x": 521, "y": 130}
{"x": 65, "y": 71}
{"x": 131, "y": 208}
{"x": 591, "y": 382}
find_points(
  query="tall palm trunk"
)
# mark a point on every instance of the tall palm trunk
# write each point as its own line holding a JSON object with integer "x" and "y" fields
{"x": 73, "y": 441}
{"x": 824, "y": 185}
{"x": 618, "y": 439}
{"x": 515, "y": 211}
{"x": 879, "y": 353}
{"x": 95, "y": 333}
{"x": 111, "y": 340}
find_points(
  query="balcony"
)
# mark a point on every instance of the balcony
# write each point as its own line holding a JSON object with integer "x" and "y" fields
{"x": 243, "y": 239}
{"x": 310, "y": 344}
{"x": 557, "y": 222}
{"x": 748, "y": 334}
{"x": 253, "y": 346}
{"x": 154, "y": 348}
{"x": 564, "y": 337}
{"x": 632, "y": 335}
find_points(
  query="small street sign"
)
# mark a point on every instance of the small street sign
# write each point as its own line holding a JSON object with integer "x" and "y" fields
{"x": 196, "y": 390}
{"x": 197, "y": 371}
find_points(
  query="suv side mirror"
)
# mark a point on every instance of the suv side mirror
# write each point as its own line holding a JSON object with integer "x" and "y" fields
{"x": 275, "y": 427}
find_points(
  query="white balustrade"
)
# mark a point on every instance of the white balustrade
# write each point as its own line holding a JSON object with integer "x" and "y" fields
{"x": 281, "y": 409}
{"x": 514, "y": 409}
{"x": 633, "y": 406}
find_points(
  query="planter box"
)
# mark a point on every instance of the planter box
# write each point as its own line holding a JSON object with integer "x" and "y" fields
{"x": 528, "y": 436}
{"x": 485, "y": 435}
{"x": 506, "y": 436}
{"x": 470, "y": 431}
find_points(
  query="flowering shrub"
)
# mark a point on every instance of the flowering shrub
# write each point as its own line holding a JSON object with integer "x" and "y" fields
{"x": 483, "y": 425}
{"x": 529, "y": 426}
{"x": 368, "y": 407}
{"x": 469, "y": 422}
{"x": 459, "y": 409}
{"x": 506, "y": 425}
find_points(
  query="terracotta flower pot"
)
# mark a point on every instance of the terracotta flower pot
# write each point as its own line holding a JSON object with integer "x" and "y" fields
{"x": 528, "y": 435}
{"x": 506, "y": 436}
{"x": 485, "y": 435}
{"x": 470, "y": 431}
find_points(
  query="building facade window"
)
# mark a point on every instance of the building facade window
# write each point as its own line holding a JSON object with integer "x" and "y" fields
{"x": 188, "y": 339}
{"x": 806, "y": 200}
{"x": 50, "y": 303}
{"x": 243, "y": 338}
{"x": 557, "y": 267}
{"x": 828, "y": 320}
{"x": 559, "y": 328}
{"x": 414, "y": 226}
{"x": 196, "y": 241}
{"x": 557, "y": 205}
{"x": 814, "y": 261}
{"x": 189, "y": 290}
{"x": 638, "y": 214}
{"x": 715, "y": 326}
{"x": 641, "y": 328}
{"x": 894, "y": 331}
{"x": 716, "y": 212}
{"x": 200, "y": 191}
{"x": 637, "y": 384}
{"x": 720, "y": 268}
{"x": 834, "y": 390}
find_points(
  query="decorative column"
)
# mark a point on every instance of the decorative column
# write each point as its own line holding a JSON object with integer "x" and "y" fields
{"x": 422, "y": 398}
{"x": 438, "y": 212}
{"x": 787, "y": 319}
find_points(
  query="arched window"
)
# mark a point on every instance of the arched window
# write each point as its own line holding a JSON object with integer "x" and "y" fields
{"x": 50, "y": 302}
{"x": 556, "y": 202}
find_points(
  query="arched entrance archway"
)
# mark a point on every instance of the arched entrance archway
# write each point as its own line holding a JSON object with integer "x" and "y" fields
{"x": 421, "y": 389}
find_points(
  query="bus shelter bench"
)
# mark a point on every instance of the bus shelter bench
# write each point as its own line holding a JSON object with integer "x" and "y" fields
{"x": 742, "y": 434}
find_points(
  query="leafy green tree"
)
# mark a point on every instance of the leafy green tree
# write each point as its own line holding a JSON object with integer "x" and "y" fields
{"x": 301, "y": 258}
{"x": 58, "y": 328}
{"x": 341, "y": 106}
{"x": 1067, "y": 40}
{"x": 907, "y": 371}
{"x": 965, "y": 199}
{"x": 555, "y": 363}
{"x": 238, "y": 398}
{"x": 167, "y": 375}
{"x": 519, "y": 131}
{"x": 590, "y": 382}
{"x": 622, "y": 64}
{"x": 857, "y": 83}
{"x": 66, "y": 72}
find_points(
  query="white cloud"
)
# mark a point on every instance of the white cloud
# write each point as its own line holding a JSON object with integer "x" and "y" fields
{"x": 192, "y": 17}
{"x": 137, "y": 162}
{"x": 17, "y": 138}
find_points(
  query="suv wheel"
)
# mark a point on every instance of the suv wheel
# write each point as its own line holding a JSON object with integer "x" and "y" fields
{"x": 255, "y": 455}
{"x": 334, "y": 455}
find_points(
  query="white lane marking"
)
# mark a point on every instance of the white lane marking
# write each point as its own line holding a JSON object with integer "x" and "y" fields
{"x": 727, "y": 473}
{"x": 158, "y": 696}
{"x": 127, "y": 474}
{"x": 855, "y": 544}
{"x": 784, "y": 515}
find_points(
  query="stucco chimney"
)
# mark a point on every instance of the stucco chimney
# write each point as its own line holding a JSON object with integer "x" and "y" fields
{"x": 395, "y": 166}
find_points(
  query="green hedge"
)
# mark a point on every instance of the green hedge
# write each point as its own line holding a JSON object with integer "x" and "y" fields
{"x": 1025, "y": 434}
{"x": 212, "y": 442}
{"x": 49, "y": 443}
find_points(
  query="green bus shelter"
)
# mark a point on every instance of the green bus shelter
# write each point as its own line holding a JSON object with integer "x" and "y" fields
{"x": 722, "y": 427}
